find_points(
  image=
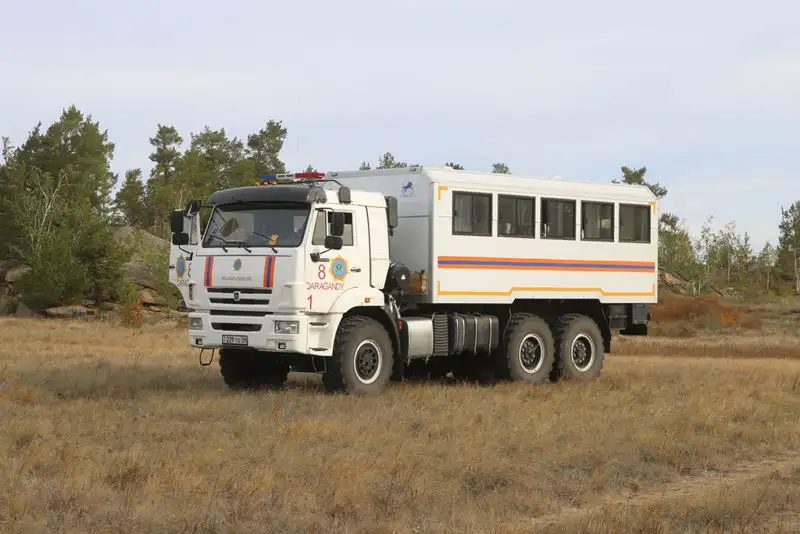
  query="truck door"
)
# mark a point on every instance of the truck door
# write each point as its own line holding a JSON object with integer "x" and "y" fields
{"x": 182, "y": 257}
{"x": 342, "y": 270}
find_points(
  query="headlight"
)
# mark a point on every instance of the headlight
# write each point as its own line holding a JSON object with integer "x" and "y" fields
{"x": 287, "y": 327}
{"x": 195, "y": 323}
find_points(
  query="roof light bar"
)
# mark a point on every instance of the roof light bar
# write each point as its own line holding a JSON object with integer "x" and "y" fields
{"x": 288, "y": 178}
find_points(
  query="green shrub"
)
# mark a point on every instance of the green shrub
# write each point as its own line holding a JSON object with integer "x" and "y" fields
{"x": 103, "y": 259}
{"x": 129, "y": 299}
{"x": 55, "y": 278}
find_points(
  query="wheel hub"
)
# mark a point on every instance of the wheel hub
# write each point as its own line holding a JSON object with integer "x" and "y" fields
{"x": 531, "y": 353}
{"x": 582, "y": 352}
{"x": 368, "y": 361}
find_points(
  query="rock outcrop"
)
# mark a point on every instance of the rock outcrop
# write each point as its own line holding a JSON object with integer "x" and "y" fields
{"x": 138, "y": 269}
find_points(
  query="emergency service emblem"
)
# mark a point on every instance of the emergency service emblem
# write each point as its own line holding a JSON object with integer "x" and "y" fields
{"x": 237, "y": 264}
{"x": 339, "y": 268}
{"x": 407, "y": 189}
{"x": 180, "y": 267}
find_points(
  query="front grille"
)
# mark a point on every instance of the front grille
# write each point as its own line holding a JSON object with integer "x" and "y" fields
{"x": 242, "y": 301}
{"x": 236, "y": 327}
{"x": 241, "y": 313}
{"x": 242, "y": 290}
{"x": 247, "y": 296}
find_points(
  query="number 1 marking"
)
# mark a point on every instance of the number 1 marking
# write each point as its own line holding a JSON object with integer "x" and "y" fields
{"x": 310, "y": 300}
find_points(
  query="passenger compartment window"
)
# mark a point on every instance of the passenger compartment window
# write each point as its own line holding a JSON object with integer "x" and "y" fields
{"x": 597, "y": 221}
{"x": 323, "y": 226}
{"x": 634, "y": 223}
{"x": 558, "y": 219}
{"x": 472, "y": 214}
{"x": 515, "y": 216}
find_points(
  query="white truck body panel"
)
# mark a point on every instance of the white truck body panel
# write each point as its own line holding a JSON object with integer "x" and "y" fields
{"x": 491, "y": 269}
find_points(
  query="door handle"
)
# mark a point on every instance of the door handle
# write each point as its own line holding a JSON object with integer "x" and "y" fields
{"x": 355, "y": 269}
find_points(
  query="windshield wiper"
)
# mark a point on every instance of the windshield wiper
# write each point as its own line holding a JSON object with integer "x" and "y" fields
{"x": 241, "y": 244}
{"x": 267, "y": 240}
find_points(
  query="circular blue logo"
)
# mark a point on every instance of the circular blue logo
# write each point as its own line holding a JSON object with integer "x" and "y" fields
{"x": 180, "y": 267}
{"x": 407, "y": 189}
{"x": 339, "y": 268}
{"x": 237, "y": 264}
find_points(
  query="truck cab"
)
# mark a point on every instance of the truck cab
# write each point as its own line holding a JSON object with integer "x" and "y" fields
{"x": 277, "y": 268}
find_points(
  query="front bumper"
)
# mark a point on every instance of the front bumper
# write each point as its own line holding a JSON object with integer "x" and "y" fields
{"x": 314, "y": 333}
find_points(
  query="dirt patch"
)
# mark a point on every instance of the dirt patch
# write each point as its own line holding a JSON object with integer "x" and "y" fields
{"x": 743, "y": 510}
{"x": 682, "y": 316}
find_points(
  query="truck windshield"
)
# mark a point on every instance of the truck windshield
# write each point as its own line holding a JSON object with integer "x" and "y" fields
{"x": 255, "y": 225}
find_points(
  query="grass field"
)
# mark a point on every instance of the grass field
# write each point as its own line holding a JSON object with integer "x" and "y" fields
{"x": 111, "y": 429}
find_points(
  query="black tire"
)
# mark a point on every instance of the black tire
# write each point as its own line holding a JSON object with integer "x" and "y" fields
{"x": 580, "y": 353}
{"x": 527, "y": 353}
{"x": 252, "y": 370}
{"x": 362, "y": 361}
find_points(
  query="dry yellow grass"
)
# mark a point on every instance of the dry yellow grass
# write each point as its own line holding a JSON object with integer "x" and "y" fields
{"x": 677, "y": 316}
{"x": 107, "y": 429}
{"x": 711, "y": 327}
{"x": 764, "y": 497}
{"x": 725, "y": 345}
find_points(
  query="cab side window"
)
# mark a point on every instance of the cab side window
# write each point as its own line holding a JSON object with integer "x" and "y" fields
{"x": 322, "y": 228}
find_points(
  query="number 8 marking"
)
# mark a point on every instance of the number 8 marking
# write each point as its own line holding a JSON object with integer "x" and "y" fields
{"x": 321, "y": 272}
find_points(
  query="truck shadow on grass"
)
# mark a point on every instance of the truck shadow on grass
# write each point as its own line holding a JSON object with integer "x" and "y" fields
{"x": 313, "y": 382}
{"x": 104, "y": 379}
{"x": 107, "y": 380}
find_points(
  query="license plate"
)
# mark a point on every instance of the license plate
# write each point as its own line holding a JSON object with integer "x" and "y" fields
{"x": 234, "y": 340}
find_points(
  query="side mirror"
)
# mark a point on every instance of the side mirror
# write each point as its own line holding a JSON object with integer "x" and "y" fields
{"x": 333, "y": 242}
{"x": 337, "y": 224}
{"x": 180, "y": 239}
{"x": 192, "y": 208}
{"x": 391, "y": 212}
{"x": 176, "y": 221}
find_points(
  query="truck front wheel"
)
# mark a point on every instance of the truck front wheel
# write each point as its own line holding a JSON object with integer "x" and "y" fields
{"x": 362, "y": 358}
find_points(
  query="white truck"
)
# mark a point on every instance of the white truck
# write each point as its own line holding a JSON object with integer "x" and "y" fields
{"x": 371, "y": 276}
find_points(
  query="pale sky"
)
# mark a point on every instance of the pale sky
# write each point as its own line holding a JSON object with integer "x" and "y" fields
{"x": 706, "y": 94}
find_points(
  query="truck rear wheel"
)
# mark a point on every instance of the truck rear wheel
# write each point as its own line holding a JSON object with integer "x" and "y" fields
{"x": 580, "y": 348}
{"x": 362, "y": 360}
{"x": 528, "y": 350}
{"x": 251, "y": 370}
